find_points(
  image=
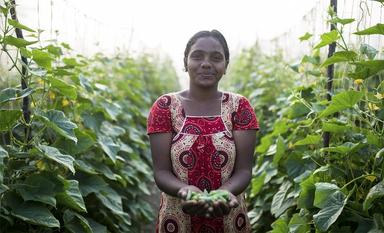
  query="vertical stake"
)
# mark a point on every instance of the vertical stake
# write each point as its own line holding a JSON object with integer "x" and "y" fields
{"x": 24, "y": 85}
{"x": 330, "y": 73}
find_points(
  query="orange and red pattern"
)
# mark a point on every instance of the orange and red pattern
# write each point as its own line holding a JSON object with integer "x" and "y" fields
{"x": 203, "y": 154}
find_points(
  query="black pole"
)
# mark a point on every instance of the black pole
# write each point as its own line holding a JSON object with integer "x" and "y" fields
{"x": 24, "y": 85}
{"x": 330, "y": 73}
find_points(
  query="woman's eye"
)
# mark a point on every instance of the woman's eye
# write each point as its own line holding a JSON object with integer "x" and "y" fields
{"x": 217, "y": 57}
{"x": 196, "y": 56}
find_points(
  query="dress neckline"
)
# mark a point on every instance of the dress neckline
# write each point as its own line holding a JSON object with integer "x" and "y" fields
{"x": 178, "y": 97}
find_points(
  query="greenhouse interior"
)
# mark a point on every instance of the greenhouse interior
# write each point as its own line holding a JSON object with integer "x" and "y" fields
{"x": 204, "y": 116}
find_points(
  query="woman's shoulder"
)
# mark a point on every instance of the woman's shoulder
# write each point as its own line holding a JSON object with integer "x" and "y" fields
{"x": 233, "y": 96}
{"x": 166, "y": 100}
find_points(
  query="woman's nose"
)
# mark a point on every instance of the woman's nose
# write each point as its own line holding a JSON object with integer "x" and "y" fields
{"x": 206, "y": 63}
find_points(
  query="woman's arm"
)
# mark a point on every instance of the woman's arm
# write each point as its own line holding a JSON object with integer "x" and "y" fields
{"x": 164, "y": 177}
{"x": 245, "y": 145}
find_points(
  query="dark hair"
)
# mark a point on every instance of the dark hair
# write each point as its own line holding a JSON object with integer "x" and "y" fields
{"x": 215, "y": 34}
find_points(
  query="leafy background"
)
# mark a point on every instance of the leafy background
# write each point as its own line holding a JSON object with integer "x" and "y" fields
{"x": 80, "y": 161}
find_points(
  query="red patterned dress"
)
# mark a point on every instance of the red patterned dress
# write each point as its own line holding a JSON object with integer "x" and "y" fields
{"x": 203, "y": 154}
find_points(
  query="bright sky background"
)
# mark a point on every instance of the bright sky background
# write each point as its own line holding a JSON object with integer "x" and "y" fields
{"x": 167, "y": 25}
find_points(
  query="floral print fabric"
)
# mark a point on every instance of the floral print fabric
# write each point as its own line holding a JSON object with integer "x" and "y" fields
{"x": 203, "y": 154}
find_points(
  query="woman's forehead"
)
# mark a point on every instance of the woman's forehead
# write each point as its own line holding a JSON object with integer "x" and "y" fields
{"x": 207, "y": 44}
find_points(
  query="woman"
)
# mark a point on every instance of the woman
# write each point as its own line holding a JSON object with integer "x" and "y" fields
{"x": 202, "y": 139}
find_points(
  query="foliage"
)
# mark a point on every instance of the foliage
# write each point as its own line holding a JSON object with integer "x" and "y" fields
{"x": 81, "y": 164}
{"x": 300, "y": 185}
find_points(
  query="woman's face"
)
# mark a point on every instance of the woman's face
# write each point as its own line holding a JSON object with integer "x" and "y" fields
{"x": 206, "y": 62}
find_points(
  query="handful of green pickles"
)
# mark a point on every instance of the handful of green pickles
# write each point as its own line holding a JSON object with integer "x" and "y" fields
{"x": 209, "y": 197}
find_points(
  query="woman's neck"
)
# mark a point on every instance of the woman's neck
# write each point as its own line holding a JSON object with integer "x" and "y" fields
{"x": 202, "y": 94}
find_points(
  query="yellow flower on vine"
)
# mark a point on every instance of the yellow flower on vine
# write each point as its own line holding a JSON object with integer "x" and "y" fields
{"x": 379, "y": 96}
{"x": 373, "y": 107}
{"x": 301, "y": 69}
{"x": 51, "y": 95}
{"x": 358, "y": 81}
{"x": 65, "y": 103}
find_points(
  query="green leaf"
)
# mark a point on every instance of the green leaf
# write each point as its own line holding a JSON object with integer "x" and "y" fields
{"x": 331, "y": 210}
{"x": 108, "y": 146}
{"x": 25, "y": 52}
{"x": 71, "y": 197}
{"x": 280, "y": 150}
{"x": 296, "y": 110}
{"x": 90, "y": 184}
{"x": 103, "y": 169}
{"x": 84, "y": 166}
{"x": 279, "y": 226}
{"x": 298, "y": 224}
{"x": 109, "y": 129}
{"x": 11, "y": 94}
{"x": 3, "y": 154}
{"x": 31, "y": 212}
{"x": 334, "y": 127}
{"x": 71, "y": 62}
{"x": 42, "y": 58}
{"x": 54, "y": 154}
{"x": 279, "y": 199}
{"x": 112, "y": 109}
{"x": 3, "y": 188}
{"x": 64, "y": 88}
{"x": 323, "y": 191}
{"x": 65, "y": 45}
{"x": 366, "y": 69}
{"x": 281, "y": 127}
{"x": 41, "y": 188}
{"x": 36, "y": 214}
{"x": 54, "y": 50}
{"x": 17, "y": 42}
{"x": 315, "y": 60}
{"x": 328, "y": 38}
{"x": 4, "y": 10}
{"x": 8, "y": 118}
{"x": 369, "y": 51}
{"x": 307, "y": 193}
{"x": 59, "y": 123}
{"x": 16, "y": 24}
{"x": 111, "y": 199}
{"x": 76, "y": 223}
{"x": 377, "y": 29}
{"x": 306, "y": 36}
{"x": 346, "y": 148}
{"x": 97, "y": 227}
{"x": 39, "y": 72}
{"x": 341, "y": 56}
{"x": 309, "y": 140}
{"x": 341, "y": 101}
{"x": 84, "y": 142}
{"x": 108, "y": 196}
{"x": 374, "y": 193}
{"x": 257, "y": 184}
{"x": 342, "y": 21}
{"x": 378, "y": 224}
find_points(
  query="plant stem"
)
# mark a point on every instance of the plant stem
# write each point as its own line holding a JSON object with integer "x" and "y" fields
{"x": 357, "y": 178}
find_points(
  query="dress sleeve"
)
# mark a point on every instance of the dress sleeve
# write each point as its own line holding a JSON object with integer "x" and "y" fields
{"x": 159, "y": 118}
{"x": 245, "y": 117}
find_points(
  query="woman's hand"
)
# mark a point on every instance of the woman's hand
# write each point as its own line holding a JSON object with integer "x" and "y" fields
{"x": 217, "y": 203}
{"x": 192, "y": 207}
{"x": 221, "y": 208}
{"x": 183, "y": 192}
